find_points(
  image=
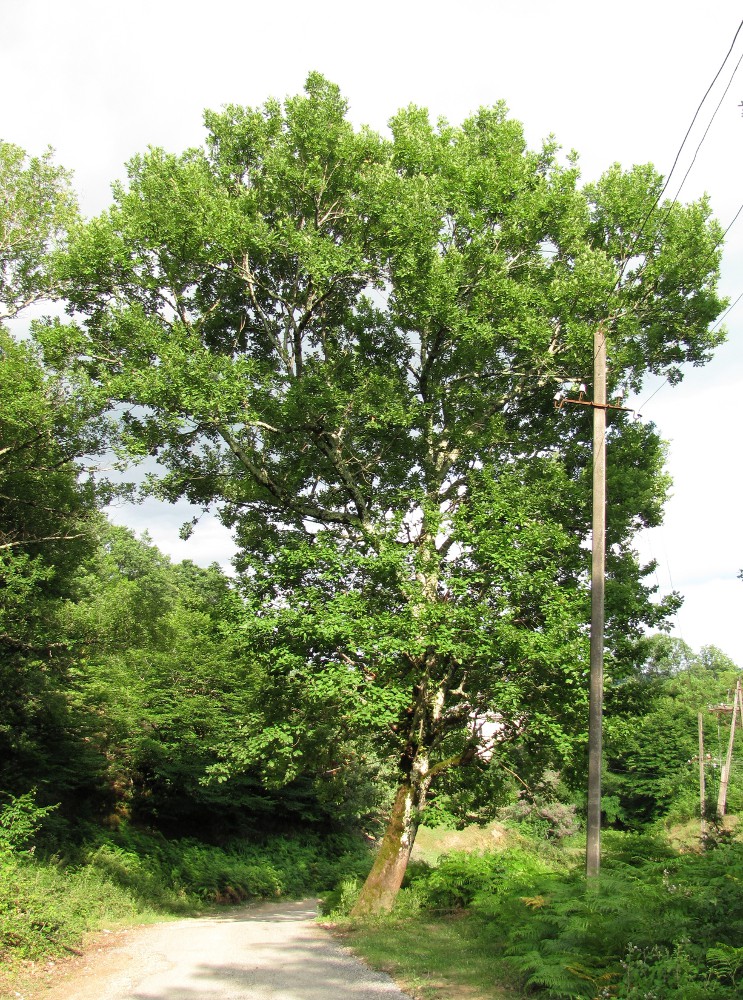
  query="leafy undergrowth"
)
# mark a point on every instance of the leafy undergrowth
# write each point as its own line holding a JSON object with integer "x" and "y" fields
{"x": 177, "y": 873}
{"x": 46, "y": 909}
{"x": 659, "y": 925}
{"x": 48, "y": 904}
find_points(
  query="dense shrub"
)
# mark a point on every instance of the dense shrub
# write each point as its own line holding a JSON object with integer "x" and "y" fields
{"x": 461, "y": 879}
{"x": 544, "y": 810}
{"x": 155, "y": 868}
{"x": 46, "y": 905}
{"x": 665, "y": 928}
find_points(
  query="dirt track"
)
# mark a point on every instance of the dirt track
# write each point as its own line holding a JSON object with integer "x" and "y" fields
{"x": 269, "y": 952}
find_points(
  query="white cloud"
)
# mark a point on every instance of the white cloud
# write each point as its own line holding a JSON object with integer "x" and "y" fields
{"x": 210, "y": 541}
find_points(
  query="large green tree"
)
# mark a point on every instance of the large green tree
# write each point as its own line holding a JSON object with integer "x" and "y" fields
{"x": 351, "y": 344}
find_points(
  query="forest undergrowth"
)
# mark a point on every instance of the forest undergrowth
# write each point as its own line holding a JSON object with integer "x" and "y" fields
{"x": 658, "y": 923}
{"x": 50, "y": 900}
{"x": 517, "y": 920}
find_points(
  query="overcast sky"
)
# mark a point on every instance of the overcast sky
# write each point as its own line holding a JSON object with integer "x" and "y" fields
{"x": 100, "y": 80}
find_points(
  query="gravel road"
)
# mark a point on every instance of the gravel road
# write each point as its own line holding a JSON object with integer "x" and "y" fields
{"x": 269, "y": 952}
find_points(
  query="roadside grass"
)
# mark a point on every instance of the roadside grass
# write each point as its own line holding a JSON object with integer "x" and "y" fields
{"x": 434, "y": 944}
{"x": 449, "y": 957}
{"x": 46, "y": 909}
{"x": 47, "y": 912}
{"x": 432, "y": 842}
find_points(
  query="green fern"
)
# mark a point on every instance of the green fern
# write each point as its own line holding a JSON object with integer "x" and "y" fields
{"x": 668, "y": 927}
{"x": 726, "y": 962}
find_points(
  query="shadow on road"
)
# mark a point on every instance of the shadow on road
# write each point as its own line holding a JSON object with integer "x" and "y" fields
{"x": 305, "y": 909}
{"x": 309, "y": 968}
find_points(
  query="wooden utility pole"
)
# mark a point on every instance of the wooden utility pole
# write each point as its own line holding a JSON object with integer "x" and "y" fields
{"x": 725, "y": 770}
{"x": 598, "y": 560}
{"x": 702, "y": 791}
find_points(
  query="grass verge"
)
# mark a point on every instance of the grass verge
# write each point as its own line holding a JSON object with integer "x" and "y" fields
{"x": 434, "y": 958}
{"x": 489, "y": 926}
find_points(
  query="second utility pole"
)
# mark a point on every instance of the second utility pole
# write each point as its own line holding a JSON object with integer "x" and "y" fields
{"x": 598, "y": 560}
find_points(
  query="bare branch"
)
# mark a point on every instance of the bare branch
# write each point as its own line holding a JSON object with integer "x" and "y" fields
{"x": 42, "y": 538}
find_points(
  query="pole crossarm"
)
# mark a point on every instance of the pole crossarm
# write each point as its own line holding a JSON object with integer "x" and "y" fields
{"x": 559, "y": 403}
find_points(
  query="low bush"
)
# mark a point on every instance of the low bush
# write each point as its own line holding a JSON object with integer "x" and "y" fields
{"x": 668, "y": 927}
{"x": 542, "y": 810}
{"x": 462, "y": 879}
{"x": 47, "y": 904}
{"x": 341, "y": 899}
{"x": 45, "y": 909}
{"x": 20, "y": 821}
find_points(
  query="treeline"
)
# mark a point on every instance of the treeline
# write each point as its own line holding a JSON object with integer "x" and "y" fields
{"x": 129, "y": 682}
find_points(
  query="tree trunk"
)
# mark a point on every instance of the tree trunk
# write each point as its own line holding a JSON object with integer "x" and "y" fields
{"x": 381, "y": 887}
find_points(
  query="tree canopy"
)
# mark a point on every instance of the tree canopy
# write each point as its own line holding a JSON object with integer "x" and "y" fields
{"x": 652, "y": 762}
{"x": 350, "y": 344}
{"x": 47, "y": 510}
{"x": 36, "y": 210}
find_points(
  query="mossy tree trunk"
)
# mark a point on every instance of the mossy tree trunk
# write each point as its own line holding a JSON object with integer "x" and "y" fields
{"x": 420, "y": 764}
{"x": 384, "y": 881}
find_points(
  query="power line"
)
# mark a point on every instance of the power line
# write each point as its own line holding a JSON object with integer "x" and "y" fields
{"x": 714, "y": 248}
{"x": 691, "y": 126}
{"x": 729, "y": 226}
{"x": 675, "y": 163}
{"x": 656, "y": 202}
{"x": 655, "y": 393}
{"x": 709, "y": 126}
{"x": 663, "y": 190}
{"x": 729, "y": 309}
